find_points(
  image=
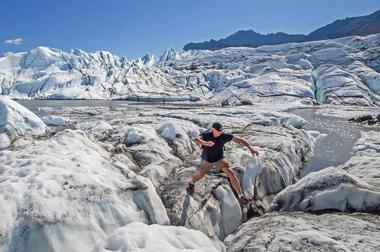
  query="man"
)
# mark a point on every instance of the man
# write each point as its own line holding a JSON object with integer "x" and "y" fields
{"x": 212, "y": 155}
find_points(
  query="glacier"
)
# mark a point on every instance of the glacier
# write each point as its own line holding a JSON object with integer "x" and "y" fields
{"x": 113, "y": 177}
{"x": 338, "y": 71}
{"x": 110, "y": 174}
{"x": 112, "y": 167}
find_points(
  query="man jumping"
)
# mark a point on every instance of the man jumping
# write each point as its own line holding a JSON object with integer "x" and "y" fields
{"x": 212, "y": 155}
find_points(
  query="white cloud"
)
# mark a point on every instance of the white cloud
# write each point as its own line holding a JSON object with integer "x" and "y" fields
{"x": 16, "y": 41}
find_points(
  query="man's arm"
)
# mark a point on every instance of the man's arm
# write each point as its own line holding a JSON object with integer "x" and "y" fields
{"x": 200, "y": 141}
{"x": 240, "y": 140}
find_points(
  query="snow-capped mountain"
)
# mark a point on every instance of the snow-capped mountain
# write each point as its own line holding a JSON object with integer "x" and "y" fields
{"x": 339, "y": 71}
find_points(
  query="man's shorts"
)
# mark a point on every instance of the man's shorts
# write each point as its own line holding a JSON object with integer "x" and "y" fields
{"x": 206, "y": 166}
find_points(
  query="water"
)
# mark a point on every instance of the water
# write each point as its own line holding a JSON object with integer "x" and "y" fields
{"x": 101, "y": 103}
{"x": 337, "y": 147}
{"x": 70, "y": 103}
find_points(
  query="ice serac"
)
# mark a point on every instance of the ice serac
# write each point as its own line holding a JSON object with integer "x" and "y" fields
{"x": 328, "y": 189}
{"x": 54, "y": 120}
{"x": 146, "y": 198}
{"x": 16, "y": 121}
{"x": 54, "y": 190}
{"x": 332, "y": 71}
{"x": 366, "y": 162}
{"x": 47, "y": 73}
{"x": 137, "y": 236}
{"x": 151, "y": 152}
{"x": 336, "y": 71}
{"x": 307, "y": 232}
{"x": 99, "y": 128}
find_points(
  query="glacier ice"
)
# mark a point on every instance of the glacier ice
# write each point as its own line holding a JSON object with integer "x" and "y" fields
{"x": 337, "y": 71}
{"x": 16, "y": 121}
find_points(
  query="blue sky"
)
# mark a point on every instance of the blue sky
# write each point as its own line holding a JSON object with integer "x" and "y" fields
{"x": 133, "y": 28}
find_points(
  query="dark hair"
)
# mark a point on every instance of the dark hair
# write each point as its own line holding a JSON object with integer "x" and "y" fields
{"x": 217, "y": 126}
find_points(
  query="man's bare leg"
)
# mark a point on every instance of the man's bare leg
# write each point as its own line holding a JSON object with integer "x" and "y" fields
{"x": 197, "y": 177}
{"x": 233, "y": 179}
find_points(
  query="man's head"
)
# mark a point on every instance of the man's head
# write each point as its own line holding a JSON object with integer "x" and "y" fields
{"x": 216, "y": 129}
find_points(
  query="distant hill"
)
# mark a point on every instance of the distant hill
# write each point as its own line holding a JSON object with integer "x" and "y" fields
{"x": 247, "y": 38}
{"x": 362, "y": 26}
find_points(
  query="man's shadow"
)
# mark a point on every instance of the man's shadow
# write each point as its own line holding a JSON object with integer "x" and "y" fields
{"x": 185, "y": 209}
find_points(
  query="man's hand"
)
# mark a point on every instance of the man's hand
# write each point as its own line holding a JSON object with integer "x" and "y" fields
{"x": 200, "y": 141}
{"x": 208, "y": 143}
{"x": 253, "y": 151}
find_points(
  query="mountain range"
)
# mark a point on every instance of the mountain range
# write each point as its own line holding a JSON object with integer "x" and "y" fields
{"x": 363, "y": 25}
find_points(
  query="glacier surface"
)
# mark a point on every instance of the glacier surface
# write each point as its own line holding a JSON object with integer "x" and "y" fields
{"x": 338, "y": 71}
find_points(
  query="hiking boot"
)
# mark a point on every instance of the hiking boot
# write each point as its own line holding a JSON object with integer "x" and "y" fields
{"x": 244, "y": 200}
{"x": 190, "y": 188}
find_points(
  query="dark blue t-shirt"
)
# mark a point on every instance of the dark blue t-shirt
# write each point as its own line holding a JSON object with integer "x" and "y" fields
{"x": 214, "y": 153}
